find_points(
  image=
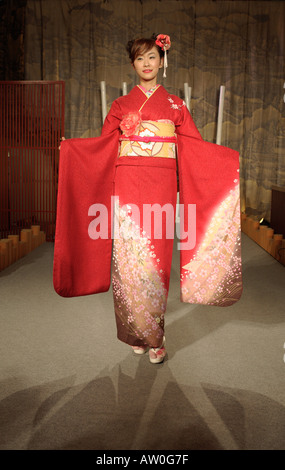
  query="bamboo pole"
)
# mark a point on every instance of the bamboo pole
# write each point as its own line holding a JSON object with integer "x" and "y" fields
{"x": 220, "y": 115}
{"x": 4, "y": 254}
{"x": 189, "y": 97}
{"x": 26, "y": 236}
{"x": 103, "y": 100}
{"x": 186, "y": 95}
{"x": 15, "y": 247}
{"x": 265, "y": 237}
{"x": 6, "y": 246}
{"x": 124, "y": 88}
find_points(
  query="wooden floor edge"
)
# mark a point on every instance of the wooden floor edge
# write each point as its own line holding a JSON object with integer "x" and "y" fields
{"x": 15, "y": 247}
{"x": 265, "y": 237}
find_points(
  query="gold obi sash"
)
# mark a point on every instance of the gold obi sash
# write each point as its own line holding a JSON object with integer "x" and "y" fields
{"x": 152, "y": 139}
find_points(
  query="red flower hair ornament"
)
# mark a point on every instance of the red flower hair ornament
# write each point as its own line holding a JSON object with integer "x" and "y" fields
{"x": 163, "y": 41}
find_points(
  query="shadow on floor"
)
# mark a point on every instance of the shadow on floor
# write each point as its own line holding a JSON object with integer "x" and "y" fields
{"x": 145, "y": 412}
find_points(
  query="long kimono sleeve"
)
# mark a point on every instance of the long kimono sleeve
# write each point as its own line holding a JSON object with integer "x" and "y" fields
{"x": 186, "y": 126}
{"x": 83, "y": 243}
{"x": 112, "y": 120}
{"x": 210, "y": 251}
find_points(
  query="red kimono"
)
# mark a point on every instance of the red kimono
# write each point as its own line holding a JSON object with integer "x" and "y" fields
{"x": 121, "y": 188}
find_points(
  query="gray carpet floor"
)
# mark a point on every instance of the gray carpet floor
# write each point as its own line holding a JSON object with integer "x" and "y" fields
{"x": 66, "y": 382}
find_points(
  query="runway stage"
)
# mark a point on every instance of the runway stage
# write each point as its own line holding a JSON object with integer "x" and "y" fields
{"x": 68, "y": 383}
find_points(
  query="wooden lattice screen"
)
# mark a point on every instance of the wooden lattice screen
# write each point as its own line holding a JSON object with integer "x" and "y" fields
{"x": 31, "y": 124}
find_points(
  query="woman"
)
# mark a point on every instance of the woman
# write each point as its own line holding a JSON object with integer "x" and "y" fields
{"x": 141, "y": 268}
{"x": 148, "y": 123}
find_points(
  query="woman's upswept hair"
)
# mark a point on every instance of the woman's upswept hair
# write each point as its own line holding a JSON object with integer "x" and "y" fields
{"x": 140, "y": 46}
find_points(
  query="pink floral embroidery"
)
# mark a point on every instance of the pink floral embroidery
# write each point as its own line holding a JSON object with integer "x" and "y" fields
{"x": 174, "y": 105}
{"x": 218, "y": 257}
{"x": 139, "y": 290}
{"x": 130, "y": 123}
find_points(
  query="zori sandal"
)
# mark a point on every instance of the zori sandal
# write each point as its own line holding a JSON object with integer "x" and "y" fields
{"x": 139, "y": 349}
{"x": 157, "y": 355}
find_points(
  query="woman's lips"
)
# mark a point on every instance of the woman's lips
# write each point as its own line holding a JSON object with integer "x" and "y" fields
{"x": 147, "y": 71}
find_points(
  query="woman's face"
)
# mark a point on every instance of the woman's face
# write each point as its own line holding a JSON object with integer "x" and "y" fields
{"x": 148, "y": 64}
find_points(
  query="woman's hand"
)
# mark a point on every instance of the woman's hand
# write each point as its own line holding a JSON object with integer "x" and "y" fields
{"x": 62, "y": 138}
